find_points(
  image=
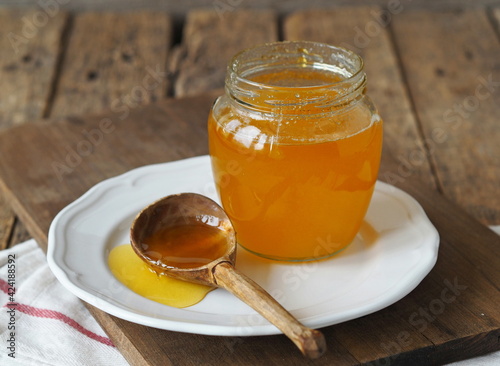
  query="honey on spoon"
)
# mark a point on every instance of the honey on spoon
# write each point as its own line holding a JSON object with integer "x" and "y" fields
{"x": 189, "y": 237}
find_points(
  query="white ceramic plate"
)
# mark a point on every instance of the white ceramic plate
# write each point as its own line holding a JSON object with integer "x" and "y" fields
{"x": 364, "y": 278}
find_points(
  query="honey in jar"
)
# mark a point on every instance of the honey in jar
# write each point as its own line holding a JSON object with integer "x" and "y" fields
{"x": 295, "y": 146}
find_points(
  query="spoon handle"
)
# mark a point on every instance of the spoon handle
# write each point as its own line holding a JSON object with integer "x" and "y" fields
{"x": 311, "y": 342}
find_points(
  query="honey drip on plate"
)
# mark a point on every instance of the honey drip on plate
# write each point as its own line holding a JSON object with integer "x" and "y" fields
{"x": 134, "y": 273}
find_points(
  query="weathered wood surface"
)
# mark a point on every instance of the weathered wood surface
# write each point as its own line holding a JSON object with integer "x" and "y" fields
{"x": 28, "y": 63}
{"x": 454, "y": 78}
{"x": 30, "y": 46}
{"x": 210, "y": 39}
{"x": 7, "y": 221}
{"x": 112, "y": 86}
{"x": 113, "y": 61}
{"x": 413, "y": 77}
{"x": 423, "y": 328}
{"x": 88, "y": 63}
{"x": 180, "y": 8}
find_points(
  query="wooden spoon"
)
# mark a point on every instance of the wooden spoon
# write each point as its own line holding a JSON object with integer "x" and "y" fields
{"x": 197, "y": 210}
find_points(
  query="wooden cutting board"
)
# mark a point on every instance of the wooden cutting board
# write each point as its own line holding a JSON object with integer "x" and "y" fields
{"x": 452, "y": 315}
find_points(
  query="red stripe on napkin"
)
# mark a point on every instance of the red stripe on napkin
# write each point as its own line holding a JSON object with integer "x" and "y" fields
{"x": 4, "y": 286}
{"x": 52, "y": 314}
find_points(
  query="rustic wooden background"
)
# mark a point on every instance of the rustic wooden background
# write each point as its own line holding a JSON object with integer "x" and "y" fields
{"x": 429, "y": 57}
{"x": 180, "y": 8}
{"x": 425, "y": 65}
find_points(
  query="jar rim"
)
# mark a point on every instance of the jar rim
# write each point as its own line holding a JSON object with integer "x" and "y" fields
{"x": 356, "y": 59}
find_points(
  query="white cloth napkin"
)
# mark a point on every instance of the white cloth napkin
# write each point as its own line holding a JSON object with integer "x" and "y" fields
{"x": 51, "y": 327}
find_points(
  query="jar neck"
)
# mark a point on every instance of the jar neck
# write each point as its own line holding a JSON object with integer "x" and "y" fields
{"x": 295, "y": 78}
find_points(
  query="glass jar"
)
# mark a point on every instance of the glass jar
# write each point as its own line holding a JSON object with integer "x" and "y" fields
{"x": 295, "y": 147}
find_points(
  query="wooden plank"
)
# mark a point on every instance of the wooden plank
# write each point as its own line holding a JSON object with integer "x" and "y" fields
{"x": 358, "y": 30}
{"x": 113, "y": 61}
{"x": 30, "y": 46}
{"x": 7, "y": 220}
{"x": 125, "y": 56}
{"x": 180, "y": 8}
{"x": 209, "y": 42}
{"x": 19, "y": 233}
{"x": 175, "y": 129}
{"x": 453, "y": 74}
{"x": 495, "y": 13}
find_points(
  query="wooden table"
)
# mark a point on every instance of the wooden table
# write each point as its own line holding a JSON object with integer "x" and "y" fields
{"x": 434, "y": 74}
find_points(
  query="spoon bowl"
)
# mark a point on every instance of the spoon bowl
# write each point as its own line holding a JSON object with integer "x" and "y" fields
{"x": 214, "y": 268}
{"x": 175, "y": 210}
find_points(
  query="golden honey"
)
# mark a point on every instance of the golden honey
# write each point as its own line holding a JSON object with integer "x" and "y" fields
{"x": 189, "y": 245}
{"x": 134, "y": 273}
{"x": 295, "y": 148}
